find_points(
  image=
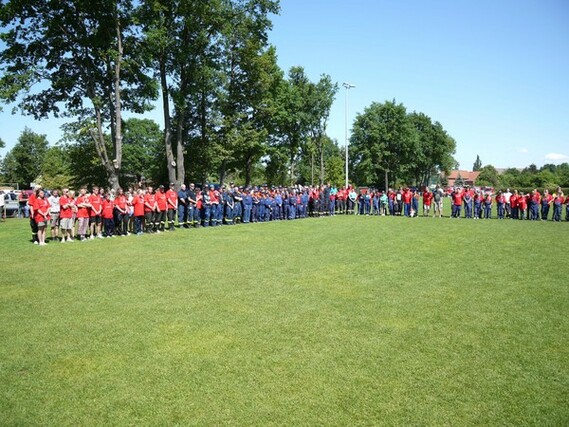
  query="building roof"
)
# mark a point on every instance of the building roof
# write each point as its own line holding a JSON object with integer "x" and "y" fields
{"x": 466, "y": 176}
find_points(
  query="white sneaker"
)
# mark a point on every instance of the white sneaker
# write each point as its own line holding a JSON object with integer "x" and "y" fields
{"x": 43, "y": 244}
{"x": 36, "y": 242}
{"x": 92, "y": 237}
{"x": 62, "y": 240}
{"x": 100, "y": 236}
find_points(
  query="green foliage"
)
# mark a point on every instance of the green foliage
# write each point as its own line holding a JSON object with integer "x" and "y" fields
{"x": 142, "y": 151}
{"x": 488, "y": 176}
{"x": 56, "y": 169}
{"x": 23, "y": 163}
{"x": 383, "y": 138}
{"x": 433, "y": 153}
{"x": 477, "y": 164}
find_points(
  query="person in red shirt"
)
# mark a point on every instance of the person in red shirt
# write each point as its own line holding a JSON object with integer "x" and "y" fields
{"x": 172, "y": 199}
{"x": 66, "y": 215}
{"x": 427, "y": 197}
{"x": 138, "y": 212}
{"x": 406, "y": 197}
{"x": 162, "y": 205}
{"x": 456, "y": 203}
{"x": 501, "y": 204}
{"x": 121, "y": 204}
{"x": 41, "y": 215}
{"x": 83, "y": 213}
{"x": 150, "y": 209}
{"x": 514, "y": 204}
{"x": 33, "y": 225}
{"x": 95, "y": 215}
{"x": 545, "y": 202}
{"x": 522, "y": 206}
{"x": 107, "y": 213}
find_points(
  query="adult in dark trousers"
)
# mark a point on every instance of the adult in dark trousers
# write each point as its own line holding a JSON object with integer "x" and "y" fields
{"x": 292, "y": 205}
{"x": 545, "y": 202}
{"x": 150, "y": 210}
{"x": 33, "y": 223}
{"x": 228, "y": 205}
{"x": 206, "y": 208}
{"x": 247, "y": 206}
{"x": 534, "y": 204}
{"x": 194, "y": 219}
{"x": 162, "y": 204}
{"x": 237, "y": 205}
{"x": 172, "y": 204}
{"x": 183, "y": 208}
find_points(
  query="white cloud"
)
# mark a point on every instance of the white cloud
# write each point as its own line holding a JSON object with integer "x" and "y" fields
{"x": 523, "y": 150}
{"x": 556, "y": 157}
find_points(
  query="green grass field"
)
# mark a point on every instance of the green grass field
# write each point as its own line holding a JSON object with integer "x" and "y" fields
{"x": 332, "y": 321}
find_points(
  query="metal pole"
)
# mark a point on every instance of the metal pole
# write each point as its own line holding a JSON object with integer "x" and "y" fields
{"x": 347, "y": 86}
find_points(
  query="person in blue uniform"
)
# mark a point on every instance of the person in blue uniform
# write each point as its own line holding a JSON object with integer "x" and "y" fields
{"x": 183, "y": 217}
{"x": 292, "y": 205}
{"x": 247, "y": 206}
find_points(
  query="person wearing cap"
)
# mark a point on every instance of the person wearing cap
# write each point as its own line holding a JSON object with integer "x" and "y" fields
{"x": 172, "y": 203}
{"x": 162, "y": 207}
{"x": 183, "y": 208}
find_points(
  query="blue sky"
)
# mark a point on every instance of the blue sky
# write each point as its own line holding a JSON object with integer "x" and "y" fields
{"x": 494, "y": 73}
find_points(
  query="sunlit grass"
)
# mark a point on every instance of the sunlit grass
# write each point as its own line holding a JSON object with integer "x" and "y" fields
{"x": 333, "y": 321}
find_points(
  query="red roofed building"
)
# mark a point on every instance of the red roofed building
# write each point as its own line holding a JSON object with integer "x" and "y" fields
{"x": 468, "y": 178}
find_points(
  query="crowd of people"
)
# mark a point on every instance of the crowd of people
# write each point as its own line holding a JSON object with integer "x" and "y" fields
{"x": 107, "y": 213}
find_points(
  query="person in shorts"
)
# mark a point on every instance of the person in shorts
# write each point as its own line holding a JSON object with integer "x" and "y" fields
{"x": 41, "y": 215}
{"x": 438, "y": 202}
{"x": 54, "y": 210}
{"x": 65, "y": 216}
{"x": 95, "y": 215}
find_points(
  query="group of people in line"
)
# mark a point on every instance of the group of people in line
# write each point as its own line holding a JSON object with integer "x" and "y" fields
{"x": 108, "y": 213}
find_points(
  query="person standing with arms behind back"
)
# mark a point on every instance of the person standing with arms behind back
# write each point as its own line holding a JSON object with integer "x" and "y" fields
{"x": 438, "y": 202}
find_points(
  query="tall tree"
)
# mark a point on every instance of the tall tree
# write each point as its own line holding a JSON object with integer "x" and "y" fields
{"x": 477, "y": 164}
{"x": 383, "y": 142}
{"x": 83, "y": 57}
{"x": 434, "y": 150}
{"x": 321, "y": 96}
{"x": 23, "y": 163}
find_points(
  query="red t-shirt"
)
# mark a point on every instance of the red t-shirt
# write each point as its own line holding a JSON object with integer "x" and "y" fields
{"x": 120, "y": 203}
{"x": 457, "y": 198}
{"x": 82, "y": 212}
{"x": 161, "y": 201}
{"x": 427, "y": 197}
{"x": 522, "y": 203}
{"x": 41, "y": 205}
{"x": 407, "y": 196}
{"x": 149, "y": 200}
{"x": 65, "y": 212}
{"x": 108, "y": 208}
{"x": 138, "y": 204}
{"x": 172, "y": 198}
{"x": 514, "y": 201}
{"x": 96, "y": 202}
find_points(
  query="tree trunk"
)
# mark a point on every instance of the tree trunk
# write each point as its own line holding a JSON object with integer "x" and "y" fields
{"x": 321, "y": 161}
{"x": 167, "y": 130}
{"x": 113, "y": 179}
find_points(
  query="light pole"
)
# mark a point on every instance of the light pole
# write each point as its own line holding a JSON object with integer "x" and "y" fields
{"x": 348, "y": 86}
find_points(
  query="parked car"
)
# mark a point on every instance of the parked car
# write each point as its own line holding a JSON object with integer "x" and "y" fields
{"x": 11, "y": 204}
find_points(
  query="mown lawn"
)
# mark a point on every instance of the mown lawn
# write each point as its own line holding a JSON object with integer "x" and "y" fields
{"x": 332, "y": 321}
